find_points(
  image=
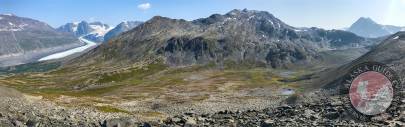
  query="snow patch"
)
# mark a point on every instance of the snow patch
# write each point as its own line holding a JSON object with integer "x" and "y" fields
{"x": 13, "y": 27}
{"x": 232, "y": 13}
{"x": 22, "y": 25}
{"x": 396, "y": 37}
{"x": 74, "y": 28}
{"x": 250, "y": 17}
{"x": 99, "y": 30}
{"x": 298, "y": 30}
{"x": 229, "y": 18}
{"x": 271, "y": 22}
{"x": 8, "y": 14}
{"x": 75, "y": 25}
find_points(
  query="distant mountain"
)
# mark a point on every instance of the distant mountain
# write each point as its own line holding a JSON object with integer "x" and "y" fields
{"x": 94, "y": 31}
{"x": 238, "y": 37}
{"x": 23, "y": 40}
{"x": 122, "y": 27}
{"x": 366, "y": 27}
{"x": 390, "y": 52}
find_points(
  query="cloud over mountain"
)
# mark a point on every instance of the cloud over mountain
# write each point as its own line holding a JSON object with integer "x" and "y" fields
{"x": 144, "y": 6}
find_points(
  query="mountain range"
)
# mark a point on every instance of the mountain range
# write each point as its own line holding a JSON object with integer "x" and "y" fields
{"x": 366, "y": 27}
{"x": 240, "y": 36}
{"x": 23, "y": 40}
{"x": 94, "y": 31}
{"x": 164, "y": 67}
{"x": 97, "y": 31}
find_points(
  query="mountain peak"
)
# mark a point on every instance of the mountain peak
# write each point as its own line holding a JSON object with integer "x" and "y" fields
{"x": 159, "y": 19}
{"x": 365, "y": 20}
{"x": 238, "y": 12}
{"x": 163, "y": 21}
{"x": 366, "y": 27}
{"x": 120, "y": 28}
{"x": 234, "y": 12}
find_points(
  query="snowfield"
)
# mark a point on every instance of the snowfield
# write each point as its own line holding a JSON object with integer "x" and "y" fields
{"x": 71, "y": 51}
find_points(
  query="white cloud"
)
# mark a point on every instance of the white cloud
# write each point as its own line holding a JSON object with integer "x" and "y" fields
{"x": 144, "y": 6}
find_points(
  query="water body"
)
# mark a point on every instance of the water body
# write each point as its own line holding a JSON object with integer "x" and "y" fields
{"x": 287, "y": 91}
{"x": 59, "y": 55}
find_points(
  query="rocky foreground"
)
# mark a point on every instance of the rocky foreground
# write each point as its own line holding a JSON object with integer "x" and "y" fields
{"x": 328, "y": 111}
{"x": 308, "y": 111}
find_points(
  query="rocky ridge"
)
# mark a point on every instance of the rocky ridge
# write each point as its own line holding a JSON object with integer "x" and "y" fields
{"x": 241, "y": 36}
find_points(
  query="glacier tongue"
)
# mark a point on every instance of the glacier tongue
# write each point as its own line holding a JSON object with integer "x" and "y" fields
{"x": 59, "y": 55}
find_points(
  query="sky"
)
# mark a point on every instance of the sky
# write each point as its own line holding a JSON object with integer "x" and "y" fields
{"x": 328, "y": 14}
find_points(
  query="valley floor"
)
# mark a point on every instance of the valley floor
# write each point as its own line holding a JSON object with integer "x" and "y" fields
{"x": 154, "y": 94}
{"x": 155, "y": 91}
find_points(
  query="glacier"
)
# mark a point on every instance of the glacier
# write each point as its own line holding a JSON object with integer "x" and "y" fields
{"x": 59, "y": 55}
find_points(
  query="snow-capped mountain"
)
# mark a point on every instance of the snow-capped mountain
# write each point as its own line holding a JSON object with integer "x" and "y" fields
{"x": 122, "y": 27}
{"x": 94, "y": 31}
{"x": 366, "y": 27}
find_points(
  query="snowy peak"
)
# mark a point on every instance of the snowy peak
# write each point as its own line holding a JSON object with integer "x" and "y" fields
{"x": 120, "y": 28}
{"x": 94, "y": 31}
{"x": 99, "y": 28}
{"x": 365, "y": 20}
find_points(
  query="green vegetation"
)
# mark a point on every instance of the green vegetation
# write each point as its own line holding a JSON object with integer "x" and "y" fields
{"x": 110, "y": 109}
{"x": 31, "y": 67}
{"x": 135, "y": 73}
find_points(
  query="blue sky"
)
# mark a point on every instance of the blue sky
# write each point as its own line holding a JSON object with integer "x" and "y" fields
{"x": 327, "y": 14}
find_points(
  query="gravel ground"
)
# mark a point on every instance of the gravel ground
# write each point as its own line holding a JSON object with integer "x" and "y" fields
{"x": 315, "y": 109}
